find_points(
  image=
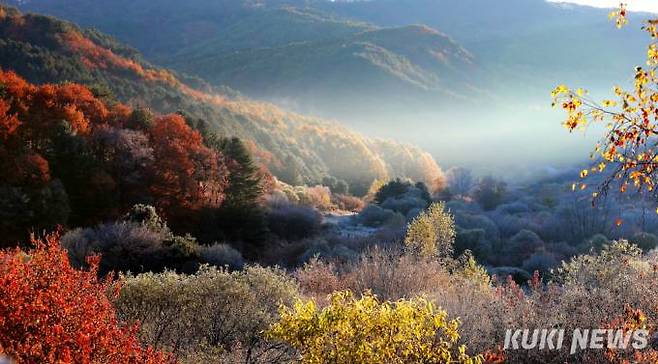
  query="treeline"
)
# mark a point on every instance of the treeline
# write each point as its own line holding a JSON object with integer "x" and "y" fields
{"x": 71, "y": 159}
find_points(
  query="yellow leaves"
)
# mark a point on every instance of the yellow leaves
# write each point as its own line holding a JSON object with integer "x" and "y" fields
{"x": 609, "y": 103}
{"x": 560, "y": 90}
{"x": 364, "y": 330}
{"x": 631, "y": 119}
{"x": 431, "y": 233}
{"x": 652, "y": 54}
{"x": 618, "y": 91}
{"x": 619, "y": 16}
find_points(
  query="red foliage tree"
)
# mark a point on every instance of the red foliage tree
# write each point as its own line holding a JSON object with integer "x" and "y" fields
{"x": 186, "y": 174}
{"x": 8, "y": 122}
{"x": 53, "y": 313}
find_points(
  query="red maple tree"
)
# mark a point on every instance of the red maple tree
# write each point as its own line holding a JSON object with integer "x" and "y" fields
{"x": 53, "y": 313}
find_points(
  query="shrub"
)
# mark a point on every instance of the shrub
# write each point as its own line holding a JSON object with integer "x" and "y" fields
{"x": 365, "y": 330}
{"x": 645, "y": 241}
{"x": 541, "y": 261}
{"x": 209, "y": 314}
{"x": 375, "y": 216}
{"x": 147, "y": 216}
{"x": 473, "y": 240}
{"x": 490, "y": 193}
{"x": 519, "y": 248}
{"x": 404, "y": 204}
{"x": 347, "y": 203}
{"x": 318, "y": 278}
{"x": 399, "y": 189}
{"x": 432, "y": 233}
{"x": 392, "y": 275}
{"x": 474, "y": 221}
{"x": 294, "y": 222}
{"x": 221, "y": 255}
{"x": 128, "y": 246}
{"x": 53, "y": 313}
{"x": 519, "y": 275}
{"x": 597, "y": 242}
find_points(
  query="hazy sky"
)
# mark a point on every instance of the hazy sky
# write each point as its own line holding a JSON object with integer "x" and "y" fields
{"x": 640, "y": 5}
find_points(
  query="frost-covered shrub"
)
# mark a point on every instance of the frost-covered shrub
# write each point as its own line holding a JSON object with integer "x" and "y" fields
{"x": 147, "y": 216}
{"x": 475, "y": 241}
{"x": 209, "y": 314}
{"x": 645, "y": 241}
{"x": 518, "y": 248}
{"x": 347, "y": 203}
{"x": 294, "y": 222}
{"x": 404, "y": 204}
{"x": 124, "y": 246}
{"x": 221, "y": 255}
{"x": 513, "y": 208}
{"x": 473, "y": 221}
{"x": 375, "y": 216}
{"x": 540, "y": 261}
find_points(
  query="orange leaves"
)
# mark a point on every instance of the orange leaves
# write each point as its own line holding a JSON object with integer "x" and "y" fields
{"x": 8, "y": 122}
{"x": 52, "y": 313}
{"x": 95, "y": 56}
{"x": 39, "y": 108}
{"x": 186, "y": 173}
{"x": 174, "y": 168}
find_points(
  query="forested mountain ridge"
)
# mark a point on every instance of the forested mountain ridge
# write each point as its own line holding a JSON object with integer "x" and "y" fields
{"x": 290, "y": 52}
{"x": 295, "y": 148}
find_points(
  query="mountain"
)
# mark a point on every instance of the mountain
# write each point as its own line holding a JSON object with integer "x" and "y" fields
{"x": 410, "y": 64}
{"x": 47, "y": 50}
{"x": 419, "y": 71}
{"x": 289, "y": 53}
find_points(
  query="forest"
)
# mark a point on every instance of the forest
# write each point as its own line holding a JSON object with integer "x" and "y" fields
{"x": 156, "y": 215}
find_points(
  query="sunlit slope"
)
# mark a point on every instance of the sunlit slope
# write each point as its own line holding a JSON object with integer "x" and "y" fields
{"x": 44, "y": 49}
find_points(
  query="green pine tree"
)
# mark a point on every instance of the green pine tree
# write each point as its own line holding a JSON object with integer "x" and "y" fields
{"x": 245, "y": 186}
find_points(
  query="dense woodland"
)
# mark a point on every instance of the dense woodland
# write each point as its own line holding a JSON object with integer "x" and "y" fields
{"x": 148, "y": 217}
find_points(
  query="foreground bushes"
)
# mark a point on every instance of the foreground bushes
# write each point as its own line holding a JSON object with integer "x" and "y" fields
{"x": 53, "y": 313}
{"x": 211, "y": 316}
{"x": 364, "y": 330}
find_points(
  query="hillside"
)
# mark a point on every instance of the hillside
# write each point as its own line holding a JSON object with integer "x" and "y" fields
{"x": 519, "y": 43}
{"x": 295, "y": 148}
{"x": 408, "y": 63}
{"x": 289, "y": 53}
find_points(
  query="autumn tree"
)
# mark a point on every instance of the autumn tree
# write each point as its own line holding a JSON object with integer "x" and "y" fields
{"x": 365, "y": 330}
{"x": 627, "y": 154}
{"x": 53, "y": 313}
{"x": 186, "y": 174}
{"x": 431, "y": 233}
